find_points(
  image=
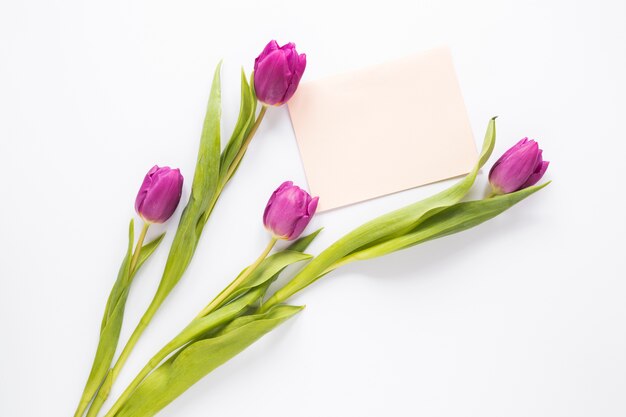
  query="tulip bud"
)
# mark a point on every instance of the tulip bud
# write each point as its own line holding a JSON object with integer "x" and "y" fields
{"x": 159, "y": 194}
{"x": 288, "y": 211}
{"x": 519, "y": 167}
{"x": 277, "y": 73}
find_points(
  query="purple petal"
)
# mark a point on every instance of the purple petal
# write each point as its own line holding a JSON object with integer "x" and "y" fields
{"x": 508, "y": 153}
{"x": 277, "y": 73}
{"x": 297, "y": 71}
{"x": 511, "y": 172}
{"x": 271, "y": 78}
{"x": 279, "y": 190}
{"x": 269, "y": 48}
{"x": 299, "y": 227}
{"x": 159, "y": 196}
{"x": 143, "y": 190}
{"x": 288, "y": 211}
{"x": 312, "y": 206}
{"x": 537, "y": 175}
{"x": 291, "y": 55}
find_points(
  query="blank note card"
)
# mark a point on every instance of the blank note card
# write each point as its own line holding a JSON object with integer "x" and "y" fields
{"x": 383, "y": 129}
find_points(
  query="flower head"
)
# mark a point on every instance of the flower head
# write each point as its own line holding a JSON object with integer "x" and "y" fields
{"x": 288, "y": 211}
{"x": 159, "y": 194}
{"x": 277, "y": 73}
{"x": 519, "y": 167}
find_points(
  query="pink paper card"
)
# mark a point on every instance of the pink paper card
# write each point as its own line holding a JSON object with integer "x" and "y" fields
{"x": 383, "y": 129}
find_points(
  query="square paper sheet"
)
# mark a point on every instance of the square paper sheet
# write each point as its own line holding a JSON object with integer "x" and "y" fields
{"x": 383, "y": 129}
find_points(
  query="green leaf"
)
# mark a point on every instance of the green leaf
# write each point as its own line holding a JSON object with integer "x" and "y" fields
{"x": 103, "y": 393}
{"x": 199, "y": 328}
{"x": 203, "y": 196}
{"x": 208, "y": 165}
{"x": 198, "y": 359}
{"x": 271, "y": 267}
{"x": 243, "y": 146}
{"x": 112, "y": 320}
{"x": 385, "y": 227}
{"x": 300, "y": 245}
{"x": 122, "y": 276}
{"x": 246, "y": 119}
{"x": 107, "y": 344}
{"x": 203, "y": 325}
{"x": 454, "y": 219}
{"x": 268, "y": 271}
{"x": 255, "y": 102}
{"x": 148, "y": 249}
{"x": 110, "y": 328}
{"x": 205, "y": 189}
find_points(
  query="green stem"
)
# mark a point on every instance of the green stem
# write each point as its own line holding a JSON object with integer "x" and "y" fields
{"x": 82, "y": 406}
{"x": 143, "y": 323}
{"x": 244, "y": 146}
{"x": 156, "y": 302}
{"x": 135, "y": 258}
{"x": 233, "y": 166}
{"x": 103, "y": 393}
{"x": 217, "y": 301}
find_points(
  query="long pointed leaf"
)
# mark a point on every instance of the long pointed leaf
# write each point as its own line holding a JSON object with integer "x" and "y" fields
{"x": 267, "y": 271}
{"x": 454, "y": 219}
{"x": 122, "y": 276}
{"x": 246, "y": 132}
{"x": 195, "y": 361}
{"x": 110, "y": 328}
{"x": 244, "y": 121}
{"x": 148, "y": 249}
{"x": 203, "y": 192}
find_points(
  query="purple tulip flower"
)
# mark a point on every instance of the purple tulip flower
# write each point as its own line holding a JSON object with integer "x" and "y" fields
{"x": 519, "y": 167}
{"x": 159, "y": 194}
{"x": 288, "y": 211}
{"x": 277, "y": 73}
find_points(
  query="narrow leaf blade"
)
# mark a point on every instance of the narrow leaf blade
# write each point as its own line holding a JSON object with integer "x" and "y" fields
{"x": 195, "y": 361}
{"x": 455, "y": 219}
{"x": 268, "y": 271}
{"x": 148, "y": 249}
{"x": 208, "y": 164}
{"x": 244, "y": 121}
{"x": 203, "y": 191}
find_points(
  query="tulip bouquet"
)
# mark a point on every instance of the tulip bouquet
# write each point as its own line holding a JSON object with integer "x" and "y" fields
{"x": 277, "y": 73}
{"x": 253, "y": 304}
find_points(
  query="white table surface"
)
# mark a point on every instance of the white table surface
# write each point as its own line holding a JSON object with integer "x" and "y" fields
{"x": 523, "y": 316}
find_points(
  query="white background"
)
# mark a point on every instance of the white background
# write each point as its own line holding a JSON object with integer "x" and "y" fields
{"x": 523, "y": 316}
